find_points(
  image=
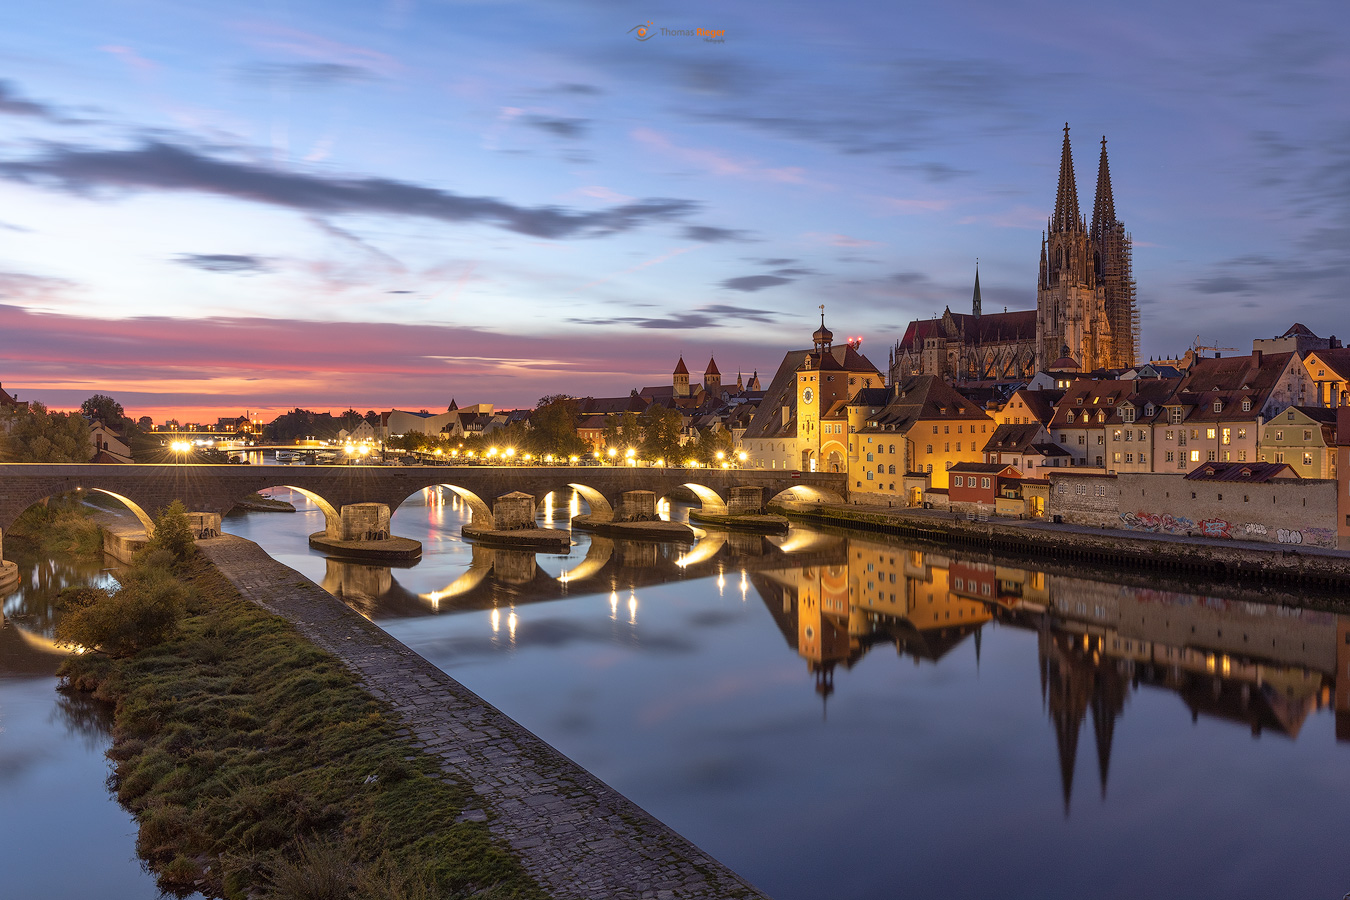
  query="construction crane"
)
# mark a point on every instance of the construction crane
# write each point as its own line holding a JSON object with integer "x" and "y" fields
{"x": 1200, "y": 348}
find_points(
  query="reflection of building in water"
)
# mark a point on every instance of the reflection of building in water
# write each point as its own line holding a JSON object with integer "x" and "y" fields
{"x": 1264, "y": 666}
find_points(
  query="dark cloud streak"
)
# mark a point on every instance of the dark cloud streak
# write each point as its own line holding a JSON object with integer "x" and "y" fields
{"x": 158, "y": 165}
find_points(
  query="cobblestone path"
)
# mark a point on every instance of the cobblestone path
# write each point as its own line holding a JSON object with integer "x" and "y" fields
{"x": 578, "y": 837}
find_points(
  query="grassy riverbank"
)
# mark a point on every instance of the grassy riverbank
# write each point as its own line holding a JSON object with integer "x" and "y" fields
{"x": 63, "y": 525}
{"x": 258, "y": 767}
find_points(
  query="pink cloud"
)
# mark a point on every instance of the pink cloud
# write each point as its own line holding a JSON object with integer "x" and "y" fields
{"x": 719, "y": 163}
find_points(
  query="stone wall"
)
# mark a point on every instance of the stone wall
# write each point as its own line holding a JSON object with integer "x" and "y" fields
{"x": 1084, "y": 498}
{"x": 1288, "y": 511}
{"x": 365, "y": 522}
{"x": 513, "y": 511}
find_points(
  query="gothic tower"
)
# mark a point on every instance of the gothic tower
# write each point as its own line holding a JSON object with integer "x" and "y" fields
{"x": 1115, "y": 277}
{"x": 1070, "y": 307}
{"x": 712, "y": 378}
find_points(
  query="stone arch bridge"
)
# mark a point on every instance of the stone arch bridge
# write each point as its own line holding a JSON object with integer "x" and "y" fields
{"x": 146, "y": 489}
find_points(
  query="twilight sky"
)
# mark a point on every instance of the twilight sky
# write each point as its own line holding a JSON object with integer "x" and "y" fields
{"x": 210, "y": 207}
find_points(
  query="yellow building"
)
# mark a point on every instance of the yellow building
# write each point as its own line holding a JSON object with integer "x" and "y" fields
{"x": 1304, "y": 437}
{"x": 920, "y": 425}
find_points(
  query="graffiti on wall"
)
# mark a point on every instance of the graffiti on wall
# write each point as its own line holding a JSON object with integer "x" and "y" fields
{"x": 1222, "y": 528}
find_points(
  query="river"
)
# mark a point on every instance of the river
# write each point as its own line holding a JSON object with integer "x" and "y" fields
{"x": 842, "y": 717}
{"x": 830, "y": 716}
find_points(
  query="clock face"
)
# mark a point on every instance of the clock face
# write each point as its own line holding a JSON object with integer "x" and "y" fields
{"x": 807, "y": 395}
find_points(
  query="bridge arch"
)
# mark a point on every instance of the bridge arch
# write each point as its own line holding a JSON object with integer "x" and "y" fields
{"x": 332, "y": 518}
{"x": 601, "y": 509}
{"x": 806, "y": 493}
{"x": 711, "y": 501}
{"x": 482, "y": 517}
{"x": 141, "y": 516}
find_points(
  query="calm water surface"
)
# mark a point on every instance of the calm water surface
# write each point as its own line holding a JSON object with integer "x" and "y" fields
{"x": 836, "y": 717}
{"x": 61, "y": 833}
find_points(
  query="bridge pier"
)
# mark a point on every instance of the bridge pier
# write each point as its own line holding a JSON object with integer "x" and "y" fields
{"x": 636, "y": 506}
{"x": 362, "y": 530}
{"x": 512, "y": 524}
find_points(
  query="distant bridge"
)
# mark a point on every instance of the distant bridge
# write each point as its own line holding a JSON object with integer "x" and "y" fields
{"x": 146, "y": 489}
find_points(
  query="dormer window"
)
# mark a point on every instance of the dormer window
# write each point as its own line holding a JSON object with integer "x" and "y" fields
{"x": 1175, "y": 414}
{"x": 1246, "y": 473}
{"x": 1080, "y": 401}
{"x": 1110, "y": 401}
{"x": 1101, "y": 415}
{"x": 1291, "y": 415}
{"x": 1246, "y": 404}
{"x": 1218, "y": 406}
{"x": 1127, "y": 414}
{"x": 1148, "y": 409}
{"x": 1070, "y": 417}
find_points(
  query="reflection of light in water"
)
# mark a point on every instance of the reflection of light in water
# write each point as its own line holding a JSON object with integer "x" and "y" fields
{"x": 574, "y": 507}
{"x": 496, "y": 620}
{"x": 632, "y": 608}
{"x": 745, "y": 585}
{"x": 511, "y": 624}
{"x": 721, "y": 582}
{"x": 613, "y": 604}
{"x": 548, "y": 508}
{"x": 663, "y": 509}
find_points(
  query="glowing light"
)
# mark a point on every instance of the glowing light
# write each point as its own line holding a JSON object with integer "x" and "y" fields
{"x": 511, "y": 624}
{"x": 632, "y": 609}
{"x": 496, "y": 620}
{"x": 510, "y": 451}
{"x": 631, "y": 453}
{"x": 613, "y": 453}
{"x": 721, "y": 455}
{"x": 613, "y": 604}
{"x": 742, "y": 456}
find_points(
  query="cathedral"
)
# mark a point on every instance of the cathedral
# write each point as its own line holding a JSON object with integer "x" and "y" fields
{"x": 1085, "y": 303}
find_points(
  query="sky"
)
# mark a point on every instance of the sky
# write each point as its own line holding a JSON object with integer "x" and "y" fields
{"x": 210, "y": 207}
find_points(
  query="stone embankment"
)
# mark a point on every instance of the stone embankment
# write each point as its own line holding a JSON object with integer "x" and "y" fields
{"x": 578, "y": 837}
{"x": 1220, "y": 560}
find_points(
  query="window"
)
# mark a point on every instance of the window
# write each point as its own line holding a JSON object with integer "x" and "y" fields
{"x": 946, "y": 429}
{"x": 890, "y": 470}
{"x": 869, "y": 457}
{"x": 929, "y": 469}
{"x": 1129, "y": 434}
{"x": 1063, "y": 437}
{"x": 1242, "y": 434}
{"x": 1218, "y": 406}
{"x": 1115, "y": 435}
{"x": 1307, "y": 459}
{"x": 958, "y": 429}
{"x": 927, "y": 448}
{"x": 1228, "y": 456}
{"x": 1279, "y": 435}
{"x": 934, "y": 429}
{"x": 869, "y": 476}
{"x": 1279, "y": 457}
{"x": 1211, "y": 433}
{"x": 1101, "y": 439}
{"x": 1101, "y": 490}
{"x": 1148, "y": 409}
{"x": 1129, "y": 457}
{"x": 1307, "y": 435}
{"x": 1175, "y": 415}
{"x": 1195, "y": 434}
{"x": 1110, "y": 401}
{"x": 1115, "y": 457}
{"x": 958, "y": 481}
{"x": 1171, "y": 435}
{"x": 1195, "y": 456}
{"x": 1080, "y": 401}
{"x": 984, "y": 482}
{"x": 1246, "y": 404}
{"x": 1213, "y": 455}
{"x": 1171, "y": 456}
{"x": 892, "y": 448}
{"x": 1081, "y": 438}
{"x": 1127, "y": 414}
{"x": 1291, "y": 415}
{"x": 1070, "y": 417}
{"x": 881, "y": 469}
{"x": 1228, "y": 435}
{"x": 1242, "y": 456}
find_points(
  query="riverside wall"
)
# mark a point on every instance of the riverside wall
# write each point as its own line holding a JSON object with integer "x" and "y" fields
{"x": 578, "y": 837}
{"x": 1214, "y": 559}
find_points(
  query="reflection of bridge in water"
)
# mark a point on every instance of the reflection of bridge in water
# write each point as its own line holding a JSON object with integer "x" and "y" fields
{"x": 501, "y": 577}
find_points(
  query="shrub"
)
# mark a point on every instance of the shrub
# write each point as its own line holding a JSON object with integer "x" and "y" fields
{"x": 173, "y": 534}
{"x": 143, "y": 612}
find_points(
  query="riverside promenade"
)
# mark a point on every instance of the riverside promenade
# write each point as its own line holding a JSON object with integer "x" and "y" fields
{"x": 576, "y": 836}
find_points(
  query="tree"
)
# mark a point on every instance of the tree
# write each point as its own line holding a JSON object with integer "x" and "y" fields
{"x": 712, "y": 441}
{"x": 105, "y": 409}
{"x": 622, "y": 430}
{"x": 145, "y": 423}
{"x": 661, "y": 434}
{"x": 553, "y": 427}
{"x": 42, "y": 436}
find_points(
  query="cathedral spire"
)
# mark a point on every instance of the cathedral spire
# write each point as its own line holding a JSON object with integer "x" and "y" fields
{"x": 975, "y": 300}
{"x": 1066, "y": 217}
{"x": 1104, "y": 208}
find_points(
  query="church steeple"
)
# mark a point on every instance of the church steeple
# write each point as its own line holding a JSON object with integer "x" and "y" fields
{"x": 1104, "y": 207}
{"x": 1066, "y": 216}
{"x": 975, "y": 300}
